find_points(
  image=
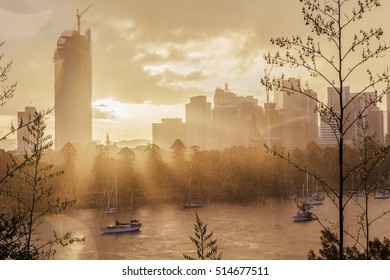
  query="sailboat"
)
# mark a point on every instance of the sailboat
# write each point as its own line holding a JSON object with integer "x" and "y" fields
{"x": 119, "y": 227}
{"x": 303, "y": 214}
{"x": 355, "y": 191}
{"x": 190, "y": 203}
{"x": 383, "y": 194}
{"x": 133, "y": 225}
{"x": 315, "y": 198}
{"x": 109, "y": 209}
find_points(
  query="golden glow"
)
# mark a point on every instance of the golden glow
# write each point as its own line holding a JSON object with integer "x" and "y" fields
{"x": 15, "y": 25}
{"x": 160, "y": 56}
{"x": 109, "y": 106}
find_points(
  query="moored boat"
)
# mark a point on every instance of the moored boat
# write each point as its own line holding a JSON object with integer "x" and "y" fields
{"x": 303, "y": 214}
{"x": 118, "y": 227}
{"x": 315, "y": 199}
{"x": 304, "y": 217}
{"x": 133, "y": 225}
{"x": 193, "y": 205}
{"x": 382, "y": 195}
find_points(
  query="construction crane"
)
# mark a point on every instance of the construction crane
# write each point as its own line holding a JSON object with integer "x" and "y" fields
{"x": 79, "y": 16}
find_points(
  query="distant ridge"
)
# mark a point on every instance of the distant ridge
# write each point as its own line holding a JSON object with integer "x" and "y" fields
{"x": 133, "y": 143}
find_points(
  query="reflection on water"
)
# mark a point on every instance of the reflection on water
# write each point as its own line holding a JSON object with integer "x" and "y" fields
{"x": 253, "y": 231}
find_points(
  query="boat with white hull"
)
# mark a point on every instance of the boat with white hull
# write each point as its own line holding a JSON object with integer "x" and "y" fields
{"x": 382, "y": 195}
{"x": 118, "y": 227}
{"x": 133, "y": 225}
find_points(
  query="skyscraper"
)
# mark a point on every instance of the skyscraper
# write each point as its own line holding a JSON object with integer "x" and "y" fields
{"x": 73, "y": 88}
{"x": 328, "y": 129}
{"x": 23, "y": 134}
{"x": 234, "y": 120}
{"x": 297, "y": 112}
{"x": 165, "y": 133}
{"x": 198, "y": 117}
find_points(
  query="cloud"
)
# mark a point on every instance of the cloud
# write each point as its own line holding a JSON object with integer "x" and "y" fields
{"x": 159, "y": 52}
{"x": 97, "y": 114}
{"x": 100, "y": 110}
{"x": 17, "y": 25}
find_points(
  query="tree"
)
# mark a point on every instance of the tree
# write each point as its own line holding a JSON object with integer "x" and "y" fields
{"x": 330, "y": 249}
{"x": 127, "y": 175}
{"x": 205, "y": 246}
{"x": 28, "y": 194}
{"x": 336, "y": 54}
{"x": 371, "y": 154}
{"x": 127, "y": 156}
{"x": 158, "y": 175}
{"x": 180, "y": 168}
{"x": 103, "y": 175}
{"x": 8, "y": 90}
{"x": 154, "y": 156}
{"x": 178, "y": 150}
{"x": 69, "y": 180}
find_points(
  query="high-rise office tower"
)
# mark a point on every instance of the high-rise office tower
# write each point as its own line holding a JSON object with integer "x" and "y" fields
{"x": 299, "y": 120}
{"x": 23, "y": 134}
{"x": 164, "y": 134}
{"x": 198, "y": 117}
{"x": 73, "y": 88}
{"x": 328, "y": 129}
{"x": 372, "y": 118}
{"x": 225, "y": 127}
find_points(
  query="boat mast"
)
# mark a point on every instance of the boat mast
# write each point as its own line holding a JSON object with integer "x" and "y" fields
{"x": 307, "y": 184}
{"x": 116, "y": 192}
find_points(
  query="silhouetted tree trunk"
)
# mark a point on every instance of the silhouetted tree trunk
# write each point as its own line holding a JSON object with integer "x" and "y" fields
{"x": 336, "y": 60}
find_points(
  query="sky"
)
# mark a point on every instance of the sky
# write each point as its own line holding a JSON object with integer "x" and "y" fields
{"x": 149, "y": 56}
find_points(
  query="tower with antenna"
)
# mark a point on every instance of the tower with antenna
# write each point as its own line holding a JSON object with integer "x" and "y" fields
{"x": 73, "y": 86}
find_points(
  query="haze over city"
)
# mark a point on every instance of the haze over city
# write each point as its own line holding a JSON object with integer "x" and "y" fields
{"x": 148, "y": 58}
{"x": 150, "y": 130}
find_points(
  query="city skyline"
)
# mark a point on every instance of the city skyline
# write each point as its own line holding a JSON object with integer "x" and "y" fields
{"x": 148, "y": 60}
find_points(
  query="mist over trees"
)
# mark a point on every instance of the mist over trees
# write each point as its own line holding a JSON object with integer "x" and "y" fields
{"x": 150, "y": 175}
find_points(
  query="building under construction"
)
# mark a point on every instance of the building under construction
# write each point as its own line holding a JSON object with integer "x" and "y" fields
{"x": 73, "y": 87}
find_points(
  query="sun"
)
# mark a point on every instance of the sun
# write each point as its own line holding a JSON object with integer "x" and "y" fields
{"x": 114, "y": 108}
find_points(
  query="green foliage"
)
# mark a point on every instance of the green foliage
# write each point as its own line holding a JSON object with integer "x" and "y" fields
{"x": 8, "y": 90}
{"x": 28, "y": 195}
{"x": 205, "y": 246}
{"x": 11, "y": 233}
{"x": 380, "y": 250}
{"x": 330, "y": 249}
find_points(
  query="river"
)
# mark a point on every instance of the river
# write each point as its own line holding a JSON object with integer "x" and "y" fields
{"x": 243, "y": 231}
